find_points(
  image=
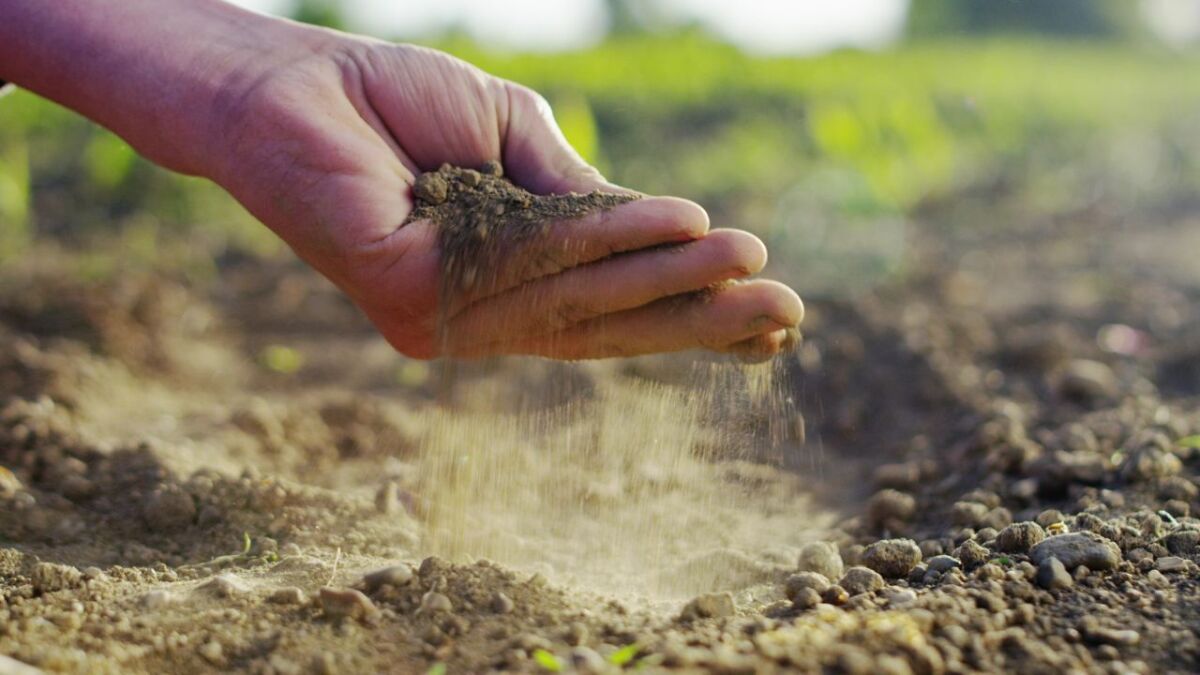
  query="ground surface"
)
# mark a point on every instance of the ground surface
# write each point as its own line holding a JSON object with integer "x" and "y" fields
{"x": 998, "y": 449}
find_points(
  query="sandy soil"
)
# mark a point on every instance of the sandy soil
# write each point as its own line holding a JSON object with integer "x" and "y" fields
{"x": 988, "y": 465}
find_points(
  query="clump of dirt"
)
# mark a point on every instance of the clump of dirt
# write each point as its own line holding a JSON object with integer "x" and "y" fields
{"x": 481, "y": 216}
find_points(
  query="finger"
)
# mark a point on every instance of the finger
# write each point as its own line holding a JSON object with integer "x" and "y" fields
{"x": 699, "y": 320}
{"x": 765, "y": 346}
{"x": 536, "y": 154}
{"x": 569, "y": 243}
{"x": 619, "y": 283}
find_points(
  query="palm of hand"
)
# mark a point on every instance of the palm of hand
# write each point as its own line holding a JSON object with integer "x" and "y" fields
{"x": 326, "y": 151}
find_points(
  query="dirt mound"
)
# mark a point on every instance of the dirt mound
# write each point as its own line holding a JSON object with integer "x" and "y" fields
{"x": 482, "y": 216}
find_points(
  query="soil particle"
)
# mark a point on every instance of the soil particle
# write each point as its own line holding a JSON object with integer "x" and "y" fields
{"x": 1076, "y": 549}
{"x": 859, "y": 580}
{"x": 821, "y": 557}
{"x": 482, "y": 217}
{"x": 892, "y": 558}
{"x": 1019, "y": 537}
{"x": 806, "y": 598}
{"x": 1052, "y": 575}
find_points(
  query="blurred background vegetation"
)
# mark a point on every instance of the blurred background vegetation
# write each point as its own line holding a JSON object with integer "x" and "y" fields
{"x": 826, "y": 156}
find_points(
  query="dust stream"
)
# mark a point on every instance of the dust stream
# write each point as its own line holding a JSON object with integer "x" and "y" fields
{"x": 660, "y": 490}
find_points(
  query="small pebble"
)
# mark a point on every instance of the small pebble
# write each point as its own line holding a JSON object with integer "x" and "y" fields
{"x": 156, "y": 599}
{"x": 893, "y": 558}
{"x": 1110, "y": 636}
{"x": 821, "y": 557}
{"x": 1078, "y": 548}
{"x": 435, "y": 602}
{"x": 1052, "y": 575}
{"x": 492, "y": 168}
{"x": 432, "y": 188}
{"x": 502, "y": 604}
{"x": 1170, "y": 564}
{"x": 858, "y": 580}
{"x": 387, "y": 499}
{"x": 223, "y": 586}
{"x": 805, "y": 580}
{"x": 396, "y": 575}
{"x": 888, "y": 506}
{"x": 290, "y": 595}
{"x": 942, "y": 563}
{"x": 806, "y": 598}
{"x": 213, "y": 652}
{"x": 339, "y": 603}
{"x": 169, "y": 508}
{"x": 902, "y": 597}
{"x": 709, "y": 606}
{"x": 50, "y": 577}
{"x": 835, "y": 595}
{"x": 971, "y": 554}
{"x": 1019, "y": 537}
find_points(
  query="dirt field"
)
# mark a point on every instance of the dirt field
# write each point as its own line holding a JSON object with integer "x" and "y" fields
{"x": 988, "y": 465}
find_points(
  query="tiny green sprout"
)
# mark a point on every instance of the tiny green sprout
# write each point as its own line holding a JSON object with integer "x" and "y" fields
{"x": 1192, "y": 442}
{"x": 1004, "y": 560}
{"x": 246, "y": 543}
{"x": 438, "y": 668}
{"x": 624, "y": 655}
{"x": 548, "y": 661}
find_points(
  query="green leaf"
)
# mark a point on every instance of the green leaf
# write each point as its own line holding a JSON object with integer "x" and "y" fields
{"x": 438, "y": 668}
{"x": 624, "y": 655}
{"x": 548, "y": 661}
{"x": 1190, "y": 442}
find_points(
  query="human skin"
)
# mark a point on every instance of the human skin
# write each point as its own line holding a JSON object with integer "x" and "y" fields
{"x": 320, "y": 135}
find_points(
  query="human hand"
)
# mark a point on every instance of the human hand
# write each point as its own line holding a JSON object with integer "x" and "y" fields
{"x": 321, "y": 136}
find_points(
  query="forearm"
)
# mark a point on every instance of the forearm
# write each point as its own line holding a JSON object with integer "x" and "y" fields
{"x": 153, "y": 71}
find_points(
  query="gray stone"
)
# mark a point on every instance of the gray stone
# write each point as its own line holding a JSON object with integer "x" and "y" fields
{"x": 1077, "y": 549}
{"x": 1170, "y": 563}
{"x": 1052, "y": 575}
{"x": 1183, "y": 542}
{"x": 942, "y": 563}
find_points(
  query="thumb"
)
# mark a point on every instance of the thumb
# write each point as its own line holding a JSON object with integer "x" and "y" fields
{"x": 536, "y": 154}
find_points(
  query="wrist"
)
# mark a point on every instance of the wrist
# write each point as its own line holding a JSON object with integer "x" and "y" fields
{"x": 156, "y": 72}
